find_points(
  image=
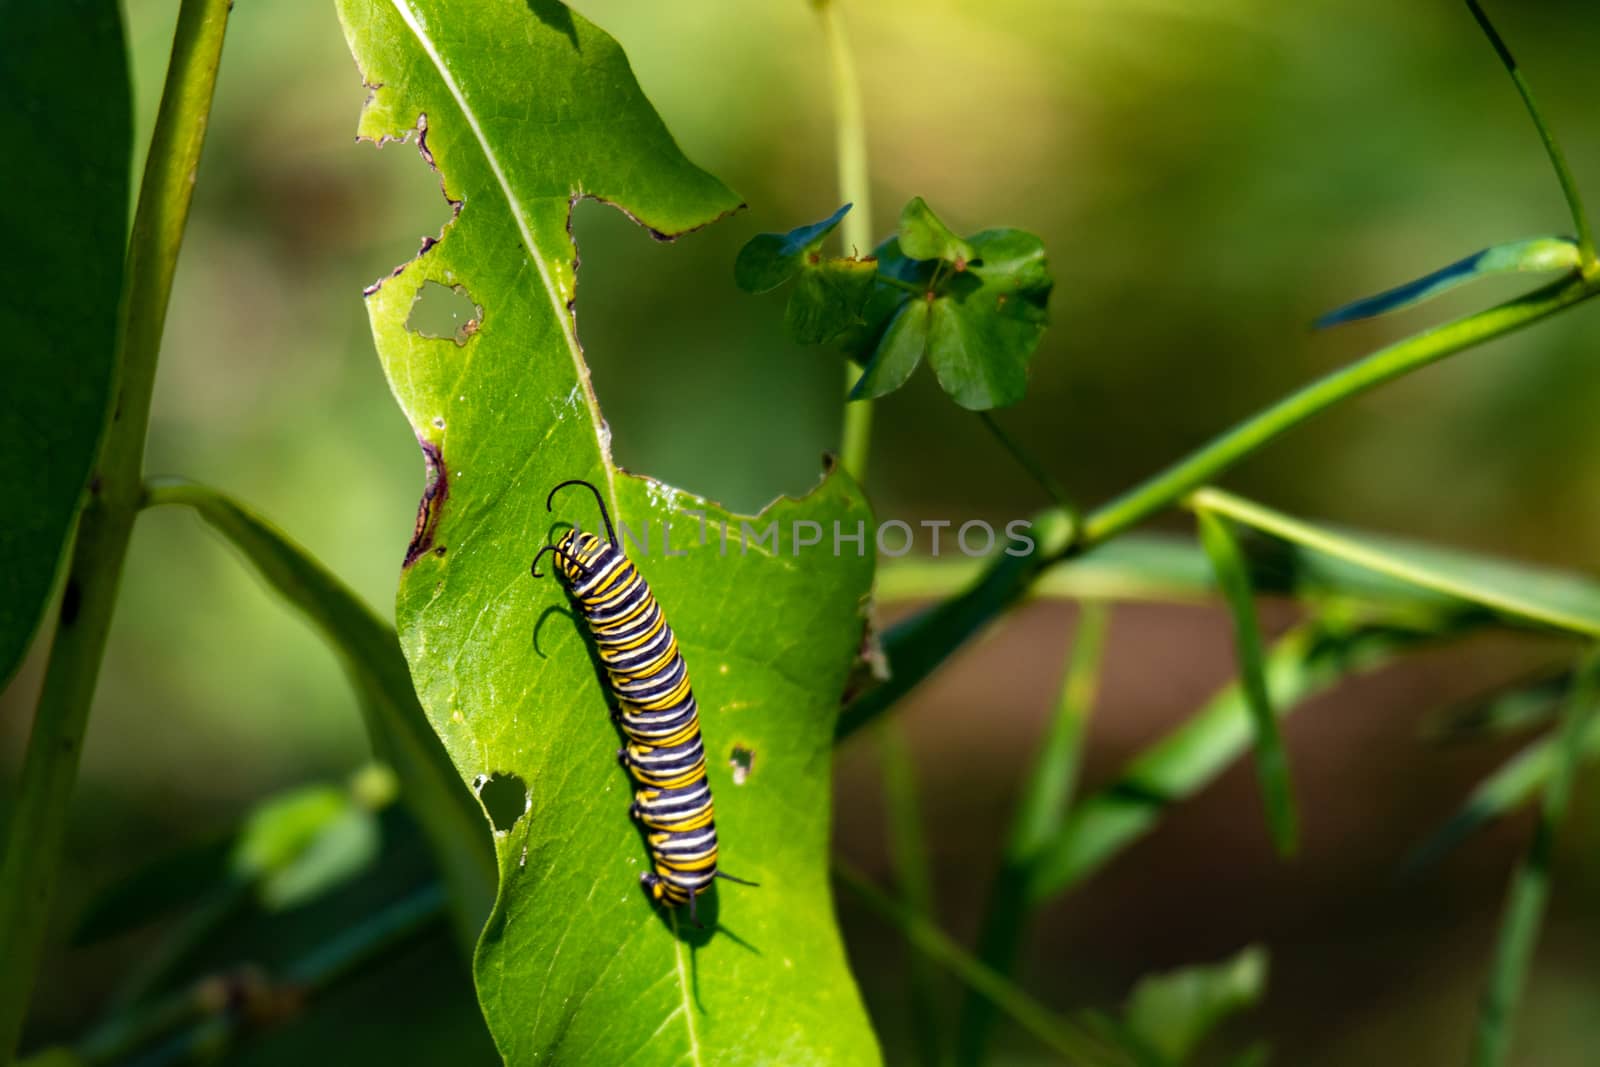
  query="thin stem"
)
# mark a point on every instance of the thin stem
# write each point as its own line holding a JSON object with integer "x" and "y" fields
{"x": 1382, "y": 366}
{"x": 1029, "y": 463}
{"x": 1552, "y": 147}
{"x": 1076, "y": 1045}
{"x": 908, "y": 853}
{"x": 1041, "y": 810}
{"x": 1530, "y": 885}
{"x": 855, "y": 187}
{"x": 37, "y": 826}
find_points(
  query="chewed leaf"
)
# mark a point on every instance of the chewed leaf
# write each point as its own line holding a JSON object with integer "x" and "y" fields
{"x": 523, "y": 106}
{"x": 923, "y": 235}
{"x": 769, "y": 259}
{"x": 1532, "y": 256}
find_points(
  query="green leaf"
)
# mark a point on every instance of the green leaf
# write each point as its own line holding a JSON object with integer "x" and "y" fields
{"x": 1272, "y": 762}
{"x": 1172, "y": 1012}
{"x": 923, "y": 235}
{"x": 401, "y": 735}
{"x": 1505, "y": 790}
{"x": 978, "y": 329}
{"x": 1538, "y": 255}
{"x": 1516, "y": 592}
{"x": 768, "y": 260}
{"x": 1530, "y": 886}
{"x": 1308, "y": 660}
{"x": 64, "y": 69}
{"x": 529, "y": 106}
{"x": 1512, "y": 708}
{"x": 303, "y": 843}
{"x": 828, "y": 298}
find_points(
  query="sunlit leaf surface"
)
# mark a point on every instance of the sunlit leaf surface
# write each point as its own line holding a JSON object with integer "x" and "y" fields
{"x": 523, "y": 107}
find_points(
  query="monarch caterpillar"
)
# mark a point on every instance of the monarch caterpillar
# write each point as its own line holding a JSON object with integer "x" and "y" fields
{"x": 653, "y": 704}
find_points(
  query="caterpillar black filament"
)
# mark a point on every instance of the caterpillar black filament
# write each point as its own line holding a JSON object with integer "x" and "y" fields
{"x": 652, "y": 703}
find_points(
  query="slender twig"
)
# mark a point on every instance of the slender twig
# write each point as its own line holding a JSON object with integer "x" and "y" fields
{"x": 855, "y": 187}
{"x": 1070, "y": 1041}
{"x": 1040, "y": 812}
{"x": 1530, "y": 885}
{"x": 1552, "y": 147}
{"x": 38, "y": 822}
{"x": 908, "y": 854}
{"x": 1029, "y": 463}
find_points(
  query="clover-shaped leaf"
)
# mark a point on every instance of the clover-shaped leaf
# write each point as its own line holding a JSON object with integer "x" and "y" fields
{"x": 977, "y": 320}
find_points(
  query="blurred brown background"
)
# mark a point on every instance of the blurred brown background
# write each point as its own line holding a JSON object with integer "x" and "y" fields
{"x": 1207, "y": 178}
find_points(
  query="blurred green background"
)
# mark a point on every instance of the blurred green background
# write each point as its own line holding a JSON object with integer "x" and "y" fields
{"x": 1207, "y": 178}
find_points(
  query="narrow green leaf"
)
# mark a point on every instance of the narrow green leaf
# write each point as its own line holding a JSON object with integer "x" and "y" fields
{"x": 1512, "y": 708}
{"x": 1535, "y": 255}
{"x": 1506, "y": 790}
{"x": 768, "y": 260}
{"x": 1272, "y": 762}
{"x": 448, "y": 814}
{"x": 923, "y": 235}
{"x": 69, "y": 126}
{"x": 1308, "y": 660}
{"x": 1526, "y": 594}
{"x": 1173, "y": 1012}
{"x": 1041, "y": 809}
{"x": 1530, "y": 885}
{"x": 529, "y": 105}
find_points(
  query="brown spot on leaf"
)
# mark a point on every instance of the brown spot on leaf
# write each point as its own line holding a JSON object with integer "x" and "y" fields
{"x": 432, "y": 502}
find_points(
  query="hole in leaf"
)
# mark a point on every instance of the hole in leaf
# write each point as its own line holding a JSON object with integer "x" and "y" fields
{"x": 444, "y": 312}
{"x": 740, "y": 759}
{"x": 505, "y": 797}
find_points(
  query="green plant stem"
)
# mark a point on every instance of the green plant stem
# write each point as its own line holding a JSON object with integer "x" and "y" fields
{"x": 213, "y": 1013}
{"x": 1382, "y": 366}
{"x": 1075, "y": 1044}
{"x": 908, "y": 854}
{"x": 1530, "y": 885}
{"x": 1040, "y": 811}
{"x": 37, "y": 826}
{"x": 1552, "y": 147}
{"x": 855, "y": 187}
{"x": 1029, "y": 463}
{"x": 916, "y": 647}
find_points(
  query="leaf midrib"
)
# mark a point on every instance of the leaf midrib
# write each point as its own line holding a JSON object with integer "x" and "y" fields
{"x": 563, "y": 316}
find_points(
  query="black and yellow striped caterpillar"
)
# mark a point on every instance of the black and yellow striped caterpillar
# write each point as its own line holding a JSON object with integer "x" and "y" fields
{"x": 653, "y": 705}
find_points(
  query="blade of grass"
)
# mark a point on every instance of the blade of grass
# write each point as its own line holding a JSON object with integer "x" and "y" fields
{"x": 1552, "y": 147}
{"x": 908, "y": 857}
{"x": 1530, "y": 885}
{"x": 1513, "y": 784}
{"x": 36, "y": 830}
{"x": 1306, "y": 661}
{"x": 1272, "y": 762}
{"x": 1073, "y": 1043}
{"x": 920, "y": 645}
{"x": 450, "y": 817}
{"x": 1563, "y": 602}
{"x": 1040, "y": 812}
